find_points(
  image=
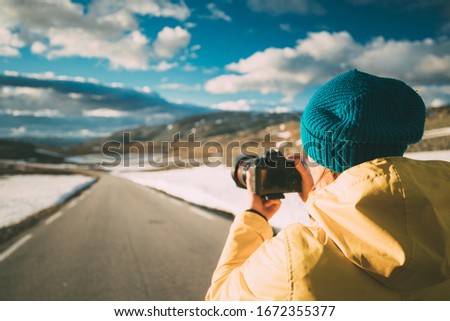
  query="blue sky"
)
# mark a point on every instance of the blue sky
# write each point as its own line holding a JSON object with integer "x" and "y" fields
{"x": 229, "y": 54}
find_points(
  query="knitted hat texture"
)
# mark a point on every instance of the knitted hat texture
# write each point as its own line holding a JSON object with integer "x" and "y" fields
{"x": 357, "y": 117}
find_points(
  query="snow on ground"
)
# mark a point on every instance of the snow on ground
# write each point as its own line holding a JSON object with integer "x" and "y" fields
{"x": 23, "y": 195}
{"x": 437, "y": 155}
{"x": 284, "y": 135}
{"x": 438, "y": 132}
{"x": 214, "y": 188}
{"x": 26, "y": 164}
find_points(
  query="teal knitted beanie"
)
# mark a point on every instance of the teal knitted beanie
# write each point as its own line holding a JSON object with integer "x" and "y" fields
{"x": 357, "y": 117}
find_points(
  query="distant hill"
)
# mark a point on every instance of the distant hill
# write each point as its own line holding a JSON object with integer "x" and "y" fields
{"x": 222, "y": 127}
{"x": 225, "y": 127}
{"x": 436, "y": 118}
{"x": 84, "y": 109}
{"x": 19, "y": 150}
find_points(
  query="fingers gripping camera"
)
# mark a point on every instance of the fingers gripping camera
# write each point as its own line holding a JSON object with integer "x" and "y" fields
{"x": 272, "y": 175}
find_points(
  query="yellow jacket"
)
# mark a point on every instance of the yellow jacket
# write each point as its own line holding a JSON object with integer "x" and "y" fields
{"x": 382, "y": 232}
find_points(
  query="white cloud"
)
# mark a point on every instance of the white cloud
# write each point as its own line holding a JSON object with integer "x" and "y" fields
{"x": 117, "y": 85}
{"x": 437, "y": 102}
{"x": 19, "y": 131}
{"x": 122, "y": 12}
{"x": 9, "y": 43}
{"x": 266, "y": 72}
{"x": 8, "y": 91}
{"x": 49, "y": 113}
{"x": 170, "y": 41}
{"x": 329, "y": 47}
{"x": 38, "y": 47}
{"x": 189, "y": 68}
{"x": 419, "y": 62}
{"x": 182, "y": 87}
{"x": 75, "y": 95}
{"x": 234, "y": 105}
{"x": 435, "y": 95}
{"x": 144, "y": 89}
{"x": 104, "y": 30}
{"x": 432, "y": 64}
{"x": 210, "y": 70}
{"x": 279, "y": 110}
{"x": 281, "y": 7}
{"x": 323, "y": 55}
{"x": 49, "y": 75}
{"x": 11, "y": 73}
{"x": 159, "y": 8}
{"x": 164, "y": 66}
{"x": 286, "y": 27}
{"x": 190, "y": 25}
{"x": 129, "y": 52}
{"x": 216, "y": 13}
{"x": 86, "y": 133}
{"x": 104, "y": 112}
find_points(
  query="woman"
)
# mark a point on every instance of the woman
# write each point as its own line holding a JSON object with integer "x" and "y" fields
{"x": 381, "y": 221}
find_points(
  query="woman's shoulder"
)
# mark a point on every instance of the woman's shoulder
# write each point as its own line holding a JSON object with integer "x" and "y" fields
{"x": 302, "y": 240}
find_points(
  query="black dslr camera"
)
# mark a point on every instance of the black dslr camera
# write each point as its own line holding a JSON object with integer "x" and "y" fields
{"x": 271, "y": 174}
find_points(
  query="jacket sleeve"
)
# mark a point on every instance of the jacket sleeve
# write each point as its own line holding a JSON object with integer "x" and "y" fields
{"x": 253, "y": 264}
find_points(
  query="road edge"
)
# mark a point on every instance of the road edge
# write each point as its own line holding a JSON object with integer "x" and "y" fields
{"x": 10, "y": 232}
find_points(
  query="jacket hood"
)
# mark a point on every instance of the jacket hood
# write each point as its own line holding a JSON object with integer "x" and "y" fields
{"x": 391, "y": 217}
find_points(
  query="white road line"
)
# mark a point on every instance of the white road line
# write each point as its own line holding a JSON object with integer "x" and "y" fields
{"x": 83, "y": 195}
{"x": 53, "y": 218}
{"x": 15, "y": 246}
{"x": 71, "y": 204}
{"x": 201, "y": 213}
{"x": 176, "y": 202}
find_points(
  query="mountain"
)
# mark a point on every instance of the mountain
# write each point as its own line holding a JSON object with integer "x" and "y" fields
{"x": 221, "y": 129}
{"x": 437, "y": 118}
{"x": 60, "y": 111}
{"x": 14, "y": 150}
{"x": 226, "y": 127}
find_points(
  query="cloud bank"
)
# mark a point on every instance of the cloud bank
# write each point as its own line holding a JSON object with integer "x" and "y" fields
{"x": 46, "y": 105}
{"x": 315, "y": 59}
{"x": 104, "y": 29}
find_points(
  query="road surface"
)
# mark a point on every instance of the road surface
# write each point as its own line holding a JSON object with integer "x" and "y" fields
{"x": 117, "y": 241}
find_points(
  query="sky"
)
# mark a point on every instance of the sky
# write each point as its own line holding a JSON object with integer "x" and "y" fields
{"x": 84, "y": 68}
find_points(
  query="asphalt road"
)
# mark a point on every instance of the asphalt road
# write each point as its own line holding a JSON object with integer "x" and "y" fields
{"x": 116, "y": 241}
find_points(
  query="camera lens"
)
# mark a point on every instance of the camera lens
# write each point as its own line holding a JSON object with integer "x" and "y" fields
{"x": 239, "y": 171}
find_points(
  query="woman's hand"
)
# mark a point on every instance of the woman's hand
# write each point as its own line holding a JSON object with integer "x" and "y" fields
{"x": 268, "y": 208}
{"x": 307, "y": 179}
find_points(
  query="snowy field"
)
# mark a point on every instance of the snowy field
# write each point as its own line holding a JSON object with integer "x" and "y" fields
{"x": 23, "y": 195}
{"x": 437, "y": 154}
{"x": 214, "y": 188}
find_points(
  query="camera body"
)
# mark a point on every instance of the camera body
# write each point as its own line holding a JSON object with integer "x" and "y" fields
{"x": 272, "y": 175}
